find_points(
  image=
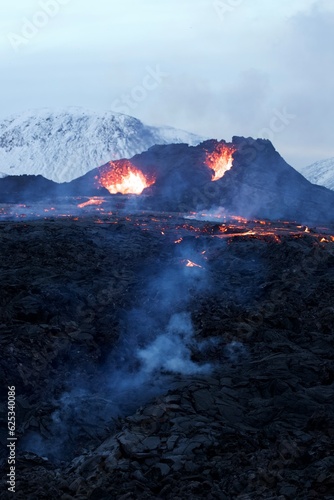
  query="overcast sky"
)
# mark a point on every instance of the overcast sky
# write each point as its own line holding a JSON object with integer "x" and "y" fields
{"x": 261, "y": 68}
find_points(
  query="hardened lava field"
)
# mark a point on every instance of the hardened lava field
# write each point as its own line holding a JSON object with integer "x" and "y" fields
{"x": 160, "y": 355}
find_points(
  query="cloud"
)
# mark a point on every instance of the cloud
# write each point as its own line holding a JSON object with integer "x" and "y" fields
{"x": 308, "y": 79}
{"x": 225, "y": 78}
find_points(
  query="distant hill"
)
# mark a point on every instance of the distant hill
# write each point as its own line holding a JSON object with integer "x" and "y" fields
{"x": 65, "y": 144}
{"x": 321, "y": 173}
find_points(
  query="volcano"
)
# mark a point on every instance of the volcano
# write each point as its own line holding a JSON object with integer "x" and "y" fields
{"x": 245, "y": 177}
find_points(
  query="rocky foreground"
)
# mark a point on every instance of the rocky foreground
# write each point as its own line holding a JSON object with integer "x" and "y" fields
{"x": 80, "y": 298}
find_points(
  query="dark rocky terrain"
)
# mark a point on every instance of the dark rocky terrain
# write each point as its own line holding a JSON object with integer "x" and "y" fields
{"x": 107, "y": 328}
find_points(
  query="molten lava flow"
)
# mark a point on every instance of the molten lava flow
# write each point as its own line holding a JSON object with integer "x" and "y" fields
{"x": 123, "y": 177}
{"x": 220, "y": 160}
{"x": 91, "y": 201}
{"x": 327, "y": 240}
{"x": 189, "y": 263}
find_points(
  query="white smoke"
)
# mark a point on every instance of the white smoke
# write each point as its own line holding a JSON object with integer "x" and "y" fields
{"x": 170, "y": 351}
{"x": 156, "y": 343}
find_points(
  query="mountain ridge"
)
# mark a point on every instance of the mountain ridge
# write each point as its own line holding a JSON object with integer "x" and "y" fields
{"x": 66, "y": 143}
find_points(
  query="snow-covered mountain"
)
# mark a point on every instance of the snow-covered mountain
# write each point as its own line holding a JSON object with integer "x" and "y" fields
{"x": 2, "y": 175}
{"x": 65, "y": 144}
{"x": 321, "y": 173}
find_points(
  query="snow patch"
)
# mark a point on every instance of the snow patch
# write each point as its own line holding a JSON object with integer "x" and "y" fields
{"x": 320, "y": 173}
{"x": 65, "y": 144}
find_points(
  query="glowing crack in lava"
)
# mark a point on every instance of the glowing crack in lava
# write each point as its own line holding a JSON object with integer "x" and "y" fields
{"x": 190, "y": 263}
{"x": 91, "y": 201}
{"x": 220, "y": 160}
{"x": 123, "y": 177}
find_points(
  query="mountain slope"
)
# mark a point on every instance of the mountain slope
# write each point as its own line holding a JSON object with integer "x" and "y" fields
{"x": 321, "y": 173}
{"x": 63, "y": 145}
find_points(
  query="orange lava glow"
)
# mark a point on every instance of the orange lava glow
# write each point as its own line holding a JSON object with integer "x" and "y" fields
{"x": 189, "y": 263}
{"x": 91, "y": 201}
{"x": 220, "y": 161}
{"x": 329, "y": 239}
{"x": 123, "y": 177}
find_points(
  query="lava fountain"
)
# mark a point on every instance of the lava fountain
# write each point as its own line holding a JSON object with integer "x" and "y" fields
{"x": 123, "y": 177}
{"x": 220, "y": 160}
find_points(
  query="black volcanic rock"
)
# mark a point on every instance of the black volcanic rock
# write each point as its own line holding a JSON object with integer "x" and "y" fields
{"x": 29, "y": 188}
{"x": 259, "y": 426}
{"x": 21, "y": 188}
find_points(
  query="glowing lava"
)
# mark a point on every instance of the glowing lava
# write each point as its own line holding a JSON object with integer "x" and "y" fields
{"x": 189, "y": 263}
{"x": 91, "y": 201}
{"x": 123, "y": 177}
{"x": 220, "y": 160}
